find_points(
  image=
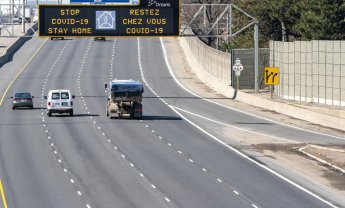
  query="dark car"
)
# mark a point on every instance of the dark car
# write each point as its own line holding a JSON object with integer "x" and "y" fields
{"x": 22, "y": 99}
{"x": 99, "y": 38}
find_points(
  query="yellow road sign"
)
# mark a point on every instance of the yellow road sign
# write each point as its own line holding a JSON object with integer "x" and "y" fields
{"x": 271, "y": 75}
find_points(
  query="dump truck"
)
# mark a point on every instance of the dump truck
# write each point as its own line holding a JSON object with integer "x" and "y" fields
{"x": 124, "y": 99}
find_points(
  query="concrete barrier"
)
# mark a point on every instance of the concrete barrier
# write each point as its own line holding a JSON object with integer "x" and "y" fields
{"x": 224, "y": 88}
{"x": 217, "y": 84}
{"x": 16, "y": 45}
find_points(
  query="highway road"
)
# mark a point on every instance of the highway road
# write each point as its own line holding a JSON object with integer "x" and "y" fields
{"x": 167, "y": 159}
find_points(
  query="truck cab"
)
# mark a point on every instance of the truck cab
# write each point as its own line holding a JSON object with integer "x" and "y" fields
{"x": 124, "y": 99}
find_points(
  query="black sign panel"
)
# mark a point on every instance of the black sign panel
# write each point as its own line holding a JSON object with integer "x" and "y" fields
{"x": 150, "y": 18}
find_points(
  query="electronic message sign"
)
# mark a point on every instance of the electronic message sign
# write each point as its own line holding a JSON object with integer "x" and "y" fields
{"x": 149, "y": 18}
{"x": 106, "y": 1}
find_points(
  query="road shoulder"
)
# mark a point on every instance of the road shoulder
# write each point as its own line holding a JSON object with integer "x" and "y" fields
{"x": 283, "y": 156}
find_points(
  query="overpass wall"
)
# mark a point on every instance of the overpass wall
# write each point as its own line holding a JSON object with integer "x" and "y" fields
{"x": 311, "y": 71}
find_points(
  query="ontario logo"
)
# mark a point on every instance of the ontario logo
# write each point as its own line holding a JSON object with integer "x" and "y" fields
{"x": 155, "y": 3}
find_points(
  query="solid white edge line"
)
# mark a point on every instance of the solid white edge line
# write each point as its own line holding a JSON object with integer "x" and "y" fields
{"x": 232, "y": 148}
{"x": 228, "y": 107}
{"x": 235, "y": 127}
{"x": 255, "y": 162}
{"x": 223, "y": 143}
{"x": 319, "y": 159}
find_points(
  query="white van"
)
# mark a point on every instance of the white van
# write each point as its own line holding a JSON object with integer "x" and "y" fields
{"x": 59, "y": 101}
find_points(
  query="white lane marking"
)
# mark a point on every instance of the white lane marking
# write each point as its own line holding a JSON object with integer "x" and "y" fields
{"x": 109, "y": 140}
{"x": 55, "y": 152}
{"x": 88, "y": 206}
{"x": 255, "y": 162}
{"x": 169, "y": 145}
{"x": 141, "y": 175}
{"x": 153, "y": 186}
{"x": 231, "y": 108}
{"x": 65, "y": 170}
{"x": 131, "y": 164}
{"x": 223, "y": 143}
{"x": 236, "y": 192}
{"x": 167, "y": 199}
{"x": 190, "y": 160}
{"x": 79, "y": 193}
{"x": 72, "y": 181}
{"x": 219, "y": 180}
{"x": 180, "y": 152}
{"x": 253, "y": 205}
{"x": 59, "y": 161}
{"x": 235, "y": 127}
{"x": 123, "y": 156}
{"x": 115, "y": 148}
{"x": 319, "y": 159}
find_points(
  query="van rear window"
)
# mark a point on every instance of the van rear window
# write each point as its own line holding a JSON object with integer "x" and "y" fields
{"x": 55, "y": 96}
{"x": 64, "y": 95}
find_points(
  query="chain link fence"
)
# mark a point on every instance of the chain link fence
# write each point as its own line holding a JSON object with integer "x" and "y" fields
{"x": 311, "y": 71}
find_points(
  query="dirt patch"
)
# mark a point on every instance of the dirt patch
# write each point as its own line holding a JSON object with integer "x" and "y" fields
{"x": 281, "y": 151}
{"x": 291, "y": 157}
{"x": 287, "y": 148}
{"x": 333, "y": 156}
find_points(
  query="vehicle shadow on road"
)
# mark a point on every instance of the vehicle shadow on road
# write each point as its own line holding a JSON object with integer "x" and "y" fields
{"x": 27, "y": 108}
{"x": 160, "y": 118}
{"x": 75, "y": 115}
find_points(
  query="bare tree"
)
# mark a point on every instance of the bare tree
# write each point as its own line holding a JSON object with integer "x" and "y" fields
{"x": 202, "y": 23}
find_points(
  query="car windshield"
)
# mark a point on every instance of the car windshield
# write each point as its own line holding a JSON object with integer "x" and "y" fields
{"x": 22, "y": 95}
{"x": 64, "y": 95}
{"x": 56, "y": 96}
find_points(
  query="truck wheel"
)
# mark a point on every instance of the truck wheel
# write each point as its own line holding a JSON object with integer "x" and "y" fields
{"x": 49, "y": 114}
{"x": 71, "y": 113}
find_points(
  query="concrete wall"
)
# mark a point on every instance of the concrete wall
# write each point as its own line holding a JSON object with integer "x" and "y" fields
{"x": 210, "y": 65}
{"x": 214, "y": 62}
{"x": 192, "y": 52}
{"x": 312, "y": 71}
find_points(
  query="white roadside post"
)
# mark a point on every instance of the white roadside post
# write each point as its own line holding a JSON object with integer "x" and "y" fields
{"x": 237, "y": 67}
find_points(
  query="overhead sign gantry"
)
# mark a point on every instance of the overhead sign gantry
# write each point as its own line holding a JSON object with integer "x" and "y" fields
{"x": 147, "y": 18}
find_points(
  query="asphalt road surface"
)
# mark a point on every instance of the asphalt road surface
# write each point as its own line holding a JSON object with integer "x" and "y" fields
{"x": 160, "y": 161}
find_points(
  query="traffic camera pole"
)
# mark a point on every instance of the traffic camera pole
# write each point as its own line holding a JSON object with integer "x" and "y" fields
{"x": 23, "y": 17}
{"x": 256, "y": 57}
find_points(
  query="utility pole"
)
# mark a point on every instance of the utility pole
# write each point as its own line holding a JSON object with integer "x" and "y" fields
{"x": 23, "y": 17}
{"x": 256, "y": 57}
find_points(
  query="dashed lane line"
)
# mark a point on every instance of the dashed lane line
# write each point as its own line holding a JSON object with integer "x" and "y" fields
{"x": 108, "y": 139}
{"x": 243, "y": 197}
{"x": 314, "y": 195}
